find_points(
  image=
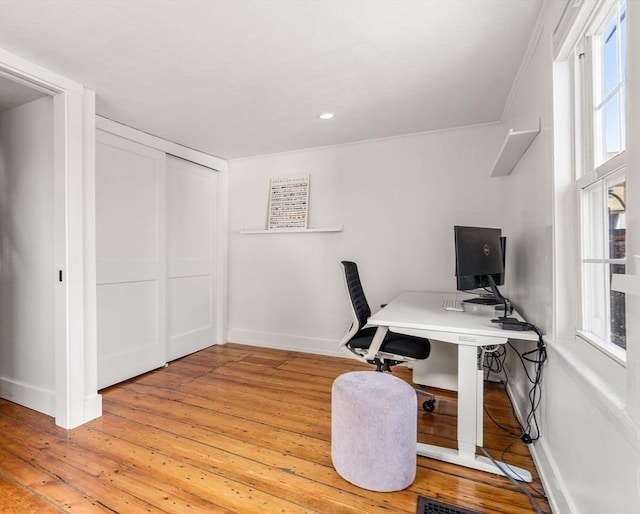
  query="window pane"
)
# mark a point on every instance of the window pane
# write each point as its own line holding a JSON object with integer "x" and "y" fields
{"x": 595, "y": 299}
{"x": 593, "y": 221}
{"x": 609, "y": 80}
{"x": 616, "y": 207}
{"x": 623, "y": 120}
{"x": 618, "y": 312}
{"x": 611, "y": 128}
{"x": 623, "y": 39}
{"x": 616, "y": 204}
{"x": 610, "y": 58}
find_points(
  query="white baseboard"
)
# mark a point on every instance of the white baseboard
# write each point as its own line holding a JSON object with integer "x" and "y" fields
{"x": 92, "y": 407}
{"x": 36, "y": 398}
{"x": 329, "y": 347}
{"x": 542, "y": 457}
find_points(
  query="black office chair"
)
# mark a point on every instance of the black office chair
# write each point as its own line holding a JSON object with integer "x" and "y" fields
{"x": 394, "y": 349}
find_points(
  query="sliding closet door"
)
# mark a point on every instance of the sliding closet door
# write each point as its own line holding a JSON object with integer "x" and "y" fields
{"x": 131, "y": 258}
{"x": 192, "y": 199}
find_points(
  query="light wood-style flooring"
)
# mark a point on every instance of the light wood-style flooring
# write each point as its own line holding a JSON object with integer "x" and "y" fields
{"x": 235, "y": 428}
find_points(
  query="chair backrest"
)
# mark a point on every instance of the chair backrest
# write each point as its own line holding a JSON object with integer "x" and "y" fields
{"x": 361, "y": 308}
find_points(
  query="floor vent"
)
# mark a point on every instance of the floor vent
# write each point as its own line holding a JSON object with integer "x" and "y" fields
{"x": 429, "y": 506}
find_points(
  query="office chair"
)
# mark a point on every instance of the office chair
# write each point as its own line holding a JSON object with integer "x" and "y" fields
{"x": 394, "y": 348}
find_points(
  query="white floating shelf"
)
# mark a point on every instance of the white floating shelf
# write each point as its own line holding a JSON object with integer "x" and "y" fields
{"x": 515, "y": 145}
{"x": 292, "y": 230}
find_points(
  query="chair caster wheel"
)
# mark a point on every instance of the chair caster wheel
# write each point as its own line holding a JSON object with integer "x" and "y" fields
{"x": 429, "y": 405}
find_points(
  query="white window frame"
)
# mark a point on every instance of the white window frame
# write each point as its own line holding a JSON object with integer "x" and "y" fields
{"x": 587, "y": 141}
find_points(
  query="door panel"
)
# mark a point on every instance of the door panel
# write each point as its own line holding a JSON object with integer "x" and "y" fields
{"x": 192, "y": 193}
{"x": 131, "y": 258}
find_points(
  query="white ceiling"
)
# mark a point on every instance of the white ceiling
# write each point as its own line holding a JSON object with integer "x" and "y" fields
{"x": 237, "y": 78}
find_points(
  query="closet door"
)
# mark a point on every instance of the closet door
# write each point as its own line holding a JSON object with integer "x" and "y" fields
{"x": 131, "y": 258}
{"x": 192, "y": 199}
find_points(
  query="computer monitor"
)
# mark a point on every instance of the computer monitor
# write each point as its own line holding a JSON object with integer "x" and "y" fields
{"x": 480, "y": 259}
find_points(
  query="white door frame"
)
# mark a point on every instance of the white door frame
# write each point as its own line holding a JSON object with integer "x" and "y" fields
{"x": 77, "y": 400}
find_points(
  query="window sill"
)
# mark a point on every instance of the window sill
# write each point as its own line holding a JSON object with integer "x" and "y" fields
{"x": 610, "y": 350}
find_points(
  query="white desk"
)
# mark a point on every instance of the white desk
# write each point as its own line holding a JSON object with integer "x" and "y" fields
{"x": 421, "y": 314}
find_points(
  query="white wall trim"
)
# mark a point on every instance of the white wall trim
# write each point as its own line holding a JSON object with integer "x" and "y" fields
{"x": 222, "y": 261}
{"x": 35, "y": 398}
{"x": 545, "y": 464}
{"x": 367, "y": 141}
{"x": 189, "y": 154}
{"x": 93, "y": 401}
{"x": 522, "y": 70}
{"x": 69, "y": 165}
{"x": 92, "y": 407}
{"x": 32, "y": 75}
{"x": 318, "y": 346}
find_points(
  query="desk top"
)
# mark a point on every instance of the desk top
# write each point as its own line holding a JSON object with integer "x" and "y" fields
{"x": 423, "y": 311}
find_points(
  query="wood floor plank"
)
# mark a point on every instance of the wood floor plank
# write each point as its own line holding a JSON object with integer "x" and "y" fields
{"x": 112, "y": 474}
{"x": 39, "y": 483}
{"x": 277, "y": 439}
{"x": 17, "y": 499}
{"x": 113, "y": 498}
{"x": 235, "y": 428}
{"x": 303, "y": 482}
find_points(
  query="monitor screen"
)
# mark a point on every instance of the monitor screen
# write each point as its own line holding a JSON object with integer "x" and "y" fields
{"x": 480, "y": 253}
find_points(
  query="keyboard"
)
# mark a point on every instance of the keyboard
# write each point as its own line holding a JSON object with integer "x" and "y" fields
{"x": 453, "y": 305}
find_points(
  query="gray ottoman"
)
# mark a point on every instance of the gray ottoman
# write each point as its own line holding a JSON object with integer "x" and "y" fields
{"x": 374, "y": 430}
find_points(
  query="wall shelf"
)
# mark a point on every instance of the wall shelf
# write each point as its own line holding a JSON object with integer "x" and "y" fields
{"x": 292, "y": 230}
{"x": 513, "y": 148}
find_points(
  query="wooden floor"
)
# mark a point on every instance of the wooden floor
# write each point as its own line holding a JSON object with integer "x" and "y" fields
{"x": 234, "y": 429}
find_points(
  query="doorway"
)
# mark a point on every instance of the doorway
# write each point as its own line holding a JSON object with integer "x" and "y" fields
{"x": 57, "y": 376}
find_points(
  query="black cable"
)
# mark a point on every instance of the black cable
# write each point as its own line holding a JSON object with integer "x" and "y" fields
{"x": 539, "y": 358}
{"x": 501, "y": 427}
{"x": 495, "y": 363}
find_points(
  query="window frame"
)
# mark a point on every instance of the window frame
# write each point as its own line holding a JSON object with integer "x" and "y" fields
{"x": 587, "y": 141}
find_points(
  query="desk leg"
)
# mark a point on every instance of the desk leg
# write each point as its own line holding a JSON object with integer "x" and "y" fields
{"x": 468, "y": 396}
{"x": 476, "y": 462}
{"x": 470, "y": 418}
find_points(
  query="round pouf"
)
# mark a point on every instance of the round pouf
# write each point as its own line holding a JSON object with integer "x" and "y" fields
{"x": 374, "y": 423}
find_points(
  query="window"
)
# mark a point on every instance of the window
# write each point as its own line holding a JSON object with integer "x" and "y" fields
{"x": 601, "y": 176}
{"x": 609, "y": 86}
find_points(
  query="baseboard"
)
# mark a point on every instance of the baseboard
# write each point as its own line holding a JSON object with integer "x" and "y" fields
{"x": 542, "y": 456}
{"x": 27, "y": 395}
{"x": 92, "y": 407}
{"x": 329, "y": 347}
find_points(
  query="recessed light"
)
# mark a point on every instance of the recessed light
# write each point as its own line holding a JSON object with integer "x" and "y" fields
{"x": 326, "y": 116}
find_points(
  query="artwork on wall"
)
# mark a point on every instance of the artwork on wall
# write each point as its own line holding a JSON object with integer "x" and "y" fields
{"x": 288, "y": 202}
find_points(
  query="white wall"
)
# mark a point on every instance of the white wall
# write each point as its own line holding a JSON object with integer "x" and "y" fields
{"x": 588, "y": 454}
{"x": 27, "y": 266}
{"x": 397, "y": 199}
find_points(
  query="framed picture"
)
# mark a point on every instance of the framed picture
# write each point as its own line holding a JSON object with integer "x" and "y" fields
{"x": 288, "y": 202}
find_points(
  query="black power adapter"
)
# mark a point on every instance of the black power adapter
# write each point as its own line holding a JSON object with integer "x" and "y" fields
{"x": 507, "y": 323}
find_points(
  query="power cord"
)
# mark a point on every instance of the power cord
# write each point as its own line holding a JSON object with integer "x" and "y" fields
{"x": 494, "y": 362}
{"x": 538, "y": 357}
{"x": 508, "y": 474}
